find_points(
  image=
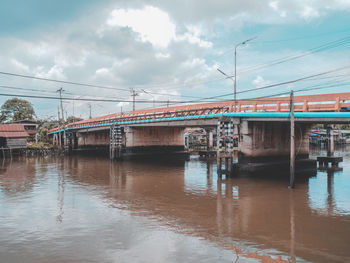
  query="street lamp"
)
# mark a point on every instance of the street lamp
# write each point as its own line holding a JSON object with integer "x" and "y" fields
{"x": 235, "y": 75}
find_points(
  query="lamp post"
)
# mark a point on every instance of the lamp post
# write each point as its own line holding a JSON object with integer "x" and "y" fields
{"x": 235, "y": 79}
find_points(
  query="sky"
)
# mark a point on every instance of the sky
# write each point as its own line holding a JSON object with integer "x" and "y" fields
{"x": 169, "y": 50}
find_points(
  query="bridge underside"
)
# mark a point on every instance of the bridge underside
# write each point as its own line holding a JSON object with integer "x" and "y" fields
{"x": 260, "y": 139}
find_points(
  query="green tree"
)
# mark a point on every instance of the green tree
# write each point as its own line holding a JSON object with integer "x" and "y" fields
{"x": 71, "y": 119}
{"x": 16, "y": 110}
{"x": 44, "y": 125}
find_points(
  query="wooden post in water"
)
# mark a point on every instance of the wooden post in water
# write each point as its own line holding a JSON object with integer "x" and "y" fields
{"x": 292, "y": 142}
{"x": 330, "y": 145}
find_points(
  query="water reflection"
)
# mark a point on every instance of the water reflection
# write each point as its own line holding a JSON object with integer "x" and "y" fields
{"x": 241, "y": 218}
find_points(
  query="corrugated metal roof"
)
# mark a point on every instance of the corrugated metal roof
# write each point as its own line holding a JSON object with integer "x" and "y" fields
{"x": 12, "y": 128}
{"x": 19, "y": 134}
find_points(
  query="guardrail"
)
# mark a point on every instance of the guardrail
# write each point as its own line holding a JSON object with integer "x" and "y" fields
{"x": 306, "y": 103}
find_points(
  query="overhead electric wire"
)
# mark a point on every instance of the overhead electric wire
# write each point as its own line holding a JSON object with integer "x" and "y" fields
{"x": 326, "y": 46}
{"x": 146, "y": 101}
{"x": 302, "y": 37}
{"x": 79, "y": 84}
{"x": 274, "y": 62}
{"x": 279, "y": 84}
{"x": 230, "y": 49}
{"x": 87, "y": 99}
{"x": 26, "y": 89}
{"x": 323, "y": 47}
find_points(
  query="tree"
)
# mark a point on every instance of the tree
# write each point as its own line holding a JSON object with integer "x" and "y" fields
{"x": 16, "y": 110}
{"x": 72, "y": 119}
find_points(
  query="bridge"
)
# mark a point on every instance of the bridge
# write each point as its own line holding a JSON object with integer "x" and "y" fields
{"x": 262, "y": 127}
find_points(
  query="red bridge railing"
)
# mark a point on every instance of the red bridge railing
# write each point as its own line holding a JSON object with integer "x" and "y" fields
{"x": 305, "y": 103}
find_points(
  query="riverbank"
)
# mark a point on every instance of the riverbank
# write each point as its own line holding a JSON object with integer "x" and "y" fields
{"x": 13, "y": 152}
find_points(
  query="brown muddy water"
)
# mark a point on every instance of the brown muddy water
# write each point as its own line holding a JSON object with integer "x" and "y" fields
{"x": 87, "y": 209}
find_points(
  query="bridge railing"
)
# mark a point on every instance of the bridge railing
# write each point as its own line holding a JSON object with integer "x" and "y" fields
{"x": 304, "y": 103}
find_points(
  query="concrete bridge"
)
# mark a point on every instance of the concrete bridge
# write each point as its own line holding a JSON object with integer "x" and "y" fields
{"x": 262, "y": 127}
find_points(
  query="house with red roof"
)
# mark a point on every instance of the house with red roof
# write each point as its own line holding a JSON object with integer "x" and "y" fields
{"x": 13, "y": 136}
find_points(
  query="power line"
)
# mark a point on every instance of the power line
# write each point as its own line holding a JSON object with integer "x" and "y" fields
{"x": 60, "y": 81}
{"x": 323, "y": 47}
{"x": 86, "y": 99}
{"x": 326, "y": 46}
{"x": 273, "y": 85}
{"x": 271, "y": 63}
{"x": 281, "y": 83}
{"x": 26, "y": 89}
{"x": 302, "y": 37}
{"x": 77, "y": 83}
{"x": 47, "y": 91}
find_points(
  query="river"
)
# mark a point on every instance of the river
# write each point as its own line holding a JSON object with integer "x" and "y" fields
{"x": 88, "y": 209}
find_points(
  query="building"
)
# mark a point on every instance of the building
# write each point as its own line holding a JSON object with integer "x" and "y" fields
{"x": 13, "y": 136}
{"x": 30, "y": 127}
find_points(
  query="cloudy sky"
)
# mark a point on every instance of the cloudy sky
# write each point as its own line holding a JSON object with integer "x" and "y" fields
{"x": 169, "y": 50}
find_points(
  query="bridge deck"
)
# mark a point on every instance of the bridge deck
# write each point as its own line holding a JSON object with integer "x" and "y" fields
{"x": 322, "y": 108}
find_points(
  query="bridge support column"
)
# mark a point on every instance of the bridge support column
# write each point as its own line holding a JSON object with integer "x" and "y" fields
{"x": 266, "y": 145}
{"x": 61, "y": 139}
{"x": 75, "y": 141}
{"x": 152, "y": 140}
{"x": 116, "y": 141}
{"x": 225, "y": 146}
{"x": 55, "y": 139}
{"x": 330, "y": 140}
{"x": 68, "y": 142}
{"x": 210, "y": 139}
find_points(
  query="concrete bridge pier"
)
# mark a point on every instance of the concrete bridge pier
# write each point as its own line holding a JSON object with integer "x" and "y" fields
{"x": 59, "y": 139}
{"x": 330, "y": 140}
{"x": 262, "y": 146}
{"x": 116, "y": 143}
{"x": 210, "y": 139}
{"x": 225, "y": 145}
{"x": 55, "y": 139}
{"x": 70, "y": 141}
{"x": 266, "y": 145}
{"x": 154, "y": 140}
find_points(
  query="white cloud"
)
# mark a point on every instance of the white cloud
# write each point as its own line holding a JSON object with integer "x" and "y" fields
{"x": 274, "y": 5}
{"x": 19, "y": 65}
{"x": 55, "y": 72}
{"x": 309, "y": 13}
{"x": 162, "y": 47}
{"x": 162, "y": 55}
{"x": 102, "y": 71}
{"x": 258, "y": 81}
{"x": 151, "y": 23}
{"x": 193, "y": 37}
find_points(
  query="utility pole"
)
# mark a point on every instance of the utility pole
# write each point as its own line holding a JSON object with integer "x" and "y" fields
{"x": 292, "y": 141}
{"x": 60, "y": 91}
{"x": 90, "y": 110}
{"x": 58, "y": 114}
{"x": 167, "y": 104}
{"x": 133, "y": 94}
{"x": 235, "y": 81}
